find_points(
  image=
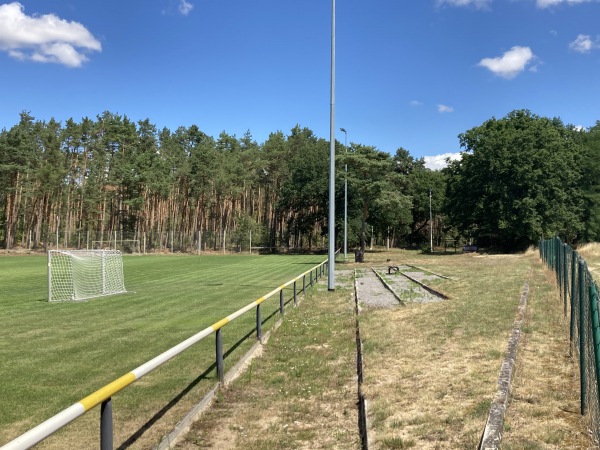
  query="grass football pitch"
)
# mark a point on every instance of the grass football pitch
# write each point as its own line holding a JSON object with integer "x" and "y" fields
{"x": 54, "y": 354}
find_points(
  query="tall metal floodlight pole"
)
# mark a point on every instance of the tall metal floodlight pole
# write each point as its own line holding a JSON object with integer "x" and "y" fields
{"x": 331, "y": 255}
{"x": 343, "y": 130}
{"x": 430, "y": 224}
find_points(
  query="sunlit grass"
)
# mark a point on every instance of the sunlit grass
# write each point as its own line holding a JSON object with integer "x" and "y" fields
{"x": 54, "y": 354}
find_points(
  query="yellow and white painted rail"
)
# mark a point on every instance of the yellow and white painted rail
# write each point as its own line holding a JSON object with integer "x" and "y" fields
{"x": 66, "y": 416}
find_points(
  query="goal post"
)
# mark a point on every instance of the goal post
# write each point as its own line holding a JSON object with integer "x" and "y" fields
{"x": 83, "y": 274}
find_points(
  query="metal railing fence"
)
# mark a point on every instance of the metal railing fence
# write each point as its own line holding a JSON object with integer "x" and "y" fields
{"x": 579, "y": 293}
{"x": 103, "y": 396}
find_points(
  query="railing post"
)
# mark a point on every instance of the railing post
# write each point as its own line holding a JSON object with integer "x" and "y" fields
{"x": 106, "y": 425}
{"x": 310, "y": 283}
{"x": 281, "y": 302}
{"x": 258, "y": 323}
{"x": 219, "y": 348}
{"x": 295, "y": 295}
{"x": 582, "y": 334}
{"x": 304, "y": 283}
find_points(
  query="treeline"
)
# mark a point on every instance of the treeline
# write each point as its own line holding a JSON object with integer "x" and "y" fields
{"x": 92, "y": 181}
{"x": 523, "y": 178}
{"x": 81, "y": 184}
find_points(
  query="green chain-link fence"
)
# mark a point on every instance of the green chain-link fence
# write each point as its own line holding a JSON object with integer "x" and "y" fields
{"x": 579, "y": 292}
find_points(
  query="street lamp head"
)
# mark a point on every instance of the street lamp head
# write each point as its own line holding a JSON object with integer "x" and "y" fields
{"x": 343, "y": 130}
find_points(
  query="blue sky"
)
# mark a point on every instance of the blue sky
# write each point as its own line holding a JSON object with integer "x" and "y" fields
{"x": 410, "y": 74}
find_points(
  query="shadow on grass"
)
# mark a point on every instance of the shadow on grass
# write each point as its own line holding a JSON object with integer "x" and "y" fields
{"x": 203, "y": 376}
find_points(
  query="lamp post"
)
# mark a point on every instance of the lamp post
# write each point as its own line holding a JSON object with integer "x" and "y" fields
{"x": 331, "y": 249}
{"x": 343, "y": 130}
{"x": 430, "y": 224}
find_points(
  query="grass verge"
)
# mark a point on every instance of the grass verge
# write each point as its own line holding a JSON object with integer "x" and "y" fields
{"x": 432, "y": 369}
{"x": 301, "y": 394}
{"x": 545, "y": 402}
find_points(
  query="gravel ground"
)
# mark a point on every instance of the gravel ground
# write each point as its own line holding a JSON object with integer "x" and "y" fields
{"x": 344, "y": 277}
{"x": 371, "y": 292}
{"x": 406, "y": 289}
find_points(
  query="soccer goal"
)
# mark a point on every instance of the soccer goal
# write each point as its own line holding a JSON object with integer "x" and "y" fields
{"x": 83, "y": 274}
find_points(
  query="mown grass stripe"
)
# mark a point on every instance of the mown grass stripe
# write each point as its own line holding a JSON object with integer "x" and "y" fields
{"x": 170, "y": 296}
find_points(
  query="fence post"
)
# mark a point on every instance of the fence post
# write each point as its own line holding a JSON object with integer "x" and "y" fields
{"x": 565, "y": 275}
{"x": 258, "y": 323}
{"x": 295, "y": 295}
{"x": 582, "y": 333}
{"x": 558, "y": 268}
{"x": 219, "y": 349}
{"x": 595, "y": 331}
{"x": 106, "y": 425}
{"x": 303, "y": 283}
{"x": 311, "y": 282}
{"x": 574, "y": 257}
{"x": 281, "y": 302}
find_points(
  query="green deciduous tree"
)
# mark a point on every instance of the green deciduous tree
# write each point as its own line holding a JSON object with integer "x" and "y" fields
{"x": 373, "y": 180}
{"x": 591, "y": 182}
{"x": 518, "y": 181}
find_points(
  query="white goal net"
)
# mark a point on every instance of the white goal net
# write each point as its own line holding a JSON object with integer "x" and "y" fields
{"x": 84, "y": 274}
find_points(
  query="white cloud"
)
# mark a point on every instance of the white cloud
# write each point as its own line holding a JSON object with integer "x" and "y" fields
{"x": 185, "y": 7}
{"x": 550, "y": 3}
{"x": 584, "y": 44}
{"x": 445, "y": 109}
{"x": 438, "y": 162}
{"x": 478, "y": 4}
{"x": 46, "y": 38}
{"x": 416, "y": 103}
{"x": 510, "y": 64}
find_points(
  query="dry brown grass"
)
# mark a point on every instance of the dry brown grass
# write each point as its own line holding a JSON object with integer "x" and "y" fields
{"x": 300, "y": 394}
{"x": 432, "y": 369}
{"x": 544, "y": 408}
{"x": 590, "y": 251}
